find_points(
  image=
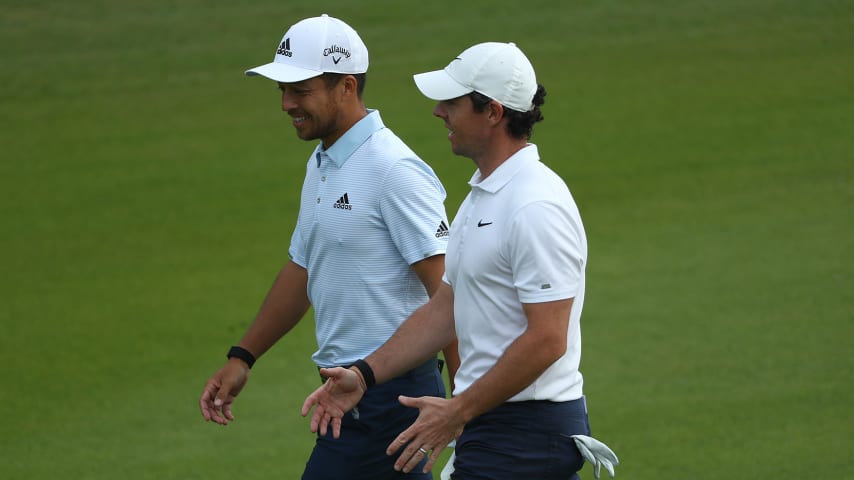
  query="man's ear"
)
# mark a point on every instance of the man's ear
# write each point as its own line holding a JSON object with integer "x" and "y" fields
{"x": 350, "y": 84}
{"x": 495, "y": 112}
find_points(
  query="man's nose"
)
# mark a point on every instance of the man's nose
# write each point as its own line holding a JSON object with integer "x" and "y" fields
{"x": 288, "y": 102}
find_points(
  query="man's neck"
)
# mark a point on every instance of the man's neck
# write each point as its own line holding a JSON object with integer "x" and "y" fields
{"x": 348, "y": 119}
{"x": 498, "y": 154}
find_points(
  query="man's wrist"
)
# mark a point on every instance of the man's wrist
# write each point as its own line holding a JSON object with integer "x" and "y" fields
{"x": 360, "y": 378}
{"x": 365, "y": 372}
{"x": 242, "y": 354}
{"x": 463, "y": 410}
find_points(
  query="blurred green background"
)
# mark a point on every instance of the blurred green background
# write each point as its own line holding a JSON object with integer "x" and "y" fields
{"x": 149, "y": 191}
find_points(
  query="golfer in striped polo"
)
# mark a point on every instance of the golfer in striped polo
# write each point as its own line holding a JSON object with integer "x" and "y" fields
{"x": 368, "y": 249}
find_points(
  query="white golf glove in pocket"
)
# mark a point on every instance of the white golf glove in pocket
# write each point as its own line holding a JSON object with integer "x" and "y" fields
{"x": 597, "y": 453}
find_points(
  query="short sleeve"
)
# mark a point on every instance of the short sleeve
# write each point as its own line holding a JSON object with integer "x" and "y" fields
{"x": 297, "y": 249}
{"x": 547, "y": 253}
{"x": 413, "y": 209}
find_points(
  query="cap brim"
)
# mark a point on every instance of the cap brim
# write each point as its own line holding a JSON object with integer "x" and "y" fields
{"x": 438, "y": 85}
{"x": 281, "y": 72}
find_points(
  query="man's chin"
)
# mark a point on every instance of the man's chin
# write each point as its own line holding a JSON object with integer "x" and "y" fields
{"x": 306, "y": 135}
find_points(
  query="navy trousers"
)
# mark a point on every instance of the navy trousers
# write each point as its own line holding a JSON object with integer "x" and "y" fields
{"x": 523, "y": 440}
{"x": 367, "y": 430}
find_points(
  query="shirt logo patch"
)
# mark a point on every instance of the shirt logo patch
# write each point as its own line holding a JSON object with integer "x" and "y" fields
{"x": 481, "y": 223}
{"x": 442, "y": 231}
{"x": 343, "y": 203}
{"x": 545, "y": 286}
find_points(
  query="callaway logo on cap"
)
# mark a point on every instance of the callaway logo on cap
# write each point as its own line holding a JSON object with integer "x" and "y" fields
{"x": 315, "y": 46}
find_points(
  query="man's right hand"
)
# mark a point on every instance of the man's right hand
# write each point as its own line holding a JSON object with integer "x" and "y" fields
{"x": 221, "y": 390}
{"x": 338, "y": 395}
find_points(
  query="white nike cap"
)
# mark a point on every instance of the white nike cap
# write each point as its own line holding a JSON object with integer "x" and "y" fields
{"x": 498, "y": 70}
{"x": 315, "y": 46}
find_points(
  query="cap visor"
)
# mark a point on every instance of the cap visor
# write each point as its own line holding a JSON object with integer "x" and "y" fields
{"x": 283, "y": 73}
{"x": 438, "y": 85}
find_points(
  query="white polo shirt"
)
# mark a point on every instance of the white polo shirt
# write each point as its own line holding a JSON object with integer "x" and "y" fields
{"x": 369, "y": 208}
{"x": 517, "y": 238}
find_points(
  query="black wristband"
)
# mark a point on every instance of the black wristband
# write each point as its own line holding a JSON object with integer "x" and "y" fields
{"x": 367, "y": 372}
{"x": 243, "y": 354}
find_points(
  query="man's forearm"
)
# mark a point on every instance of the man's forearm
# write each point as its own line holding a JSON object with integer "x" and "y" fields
{"x": 284, "y": 306}
{"x": 421, "y": 336}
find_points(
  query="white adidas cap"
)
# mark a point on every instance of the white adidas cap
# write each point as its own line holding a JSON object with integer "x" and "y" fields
{"x": 498, "y": 70}
{"x": 315, "y": 46}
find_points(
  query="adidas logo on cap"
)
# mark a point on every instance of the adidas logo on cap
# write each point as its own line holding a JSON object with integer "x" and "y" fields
{"x": 285, "y": 48}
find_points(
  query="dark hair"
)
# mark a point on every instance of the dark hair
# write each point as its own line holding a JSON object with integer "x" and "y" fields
{"x": 332, "y": 79}
{"x": 519, "y": 124}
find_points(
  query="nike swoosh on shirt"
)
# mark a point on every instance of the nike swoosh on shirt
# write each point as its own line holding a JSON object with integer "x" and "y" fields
{"x": 481, "y": 224}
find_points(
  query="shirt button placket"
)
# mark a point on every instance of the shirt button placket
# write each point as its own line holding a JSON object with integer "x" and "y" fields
{"x": 322, "y": 161}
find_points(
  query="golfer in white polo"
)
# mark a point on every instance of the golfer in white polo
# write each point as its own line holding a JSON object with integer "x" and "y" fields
{"x": 513, "y": 292}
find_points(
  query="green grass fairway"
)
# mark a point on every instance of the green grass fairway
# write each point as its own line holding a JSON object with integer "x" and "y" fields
{"x": 149, "y": 190}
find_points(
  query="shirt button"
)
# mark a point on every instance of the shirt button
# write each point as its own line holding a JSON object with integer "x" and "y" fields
{"x": 323, "y": 178}
{"x": 318, "y": 199}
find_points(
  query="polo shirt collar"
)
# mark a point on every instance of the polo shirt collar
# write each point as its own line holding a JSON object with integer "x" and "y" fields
{"x": 352, "y": 139}
{"x": 505, "y": 172}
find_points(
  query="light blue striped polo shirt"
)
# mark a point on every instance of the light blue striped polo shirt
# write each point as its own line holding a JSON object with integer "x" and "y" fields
{"x": 369, "y": 209}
